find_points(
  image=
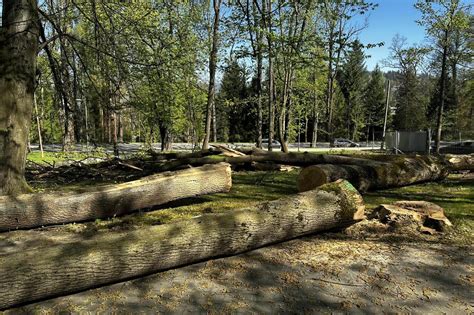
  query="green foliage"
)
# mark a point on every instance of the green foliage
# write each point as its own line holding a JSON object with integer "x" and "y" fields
{"x": 236, "y": 111}
{"x": 374, "y": 98}
{"x": 352, "y": 80}
{"x": 140, "y": 70}
{"x": 410, "y": 97}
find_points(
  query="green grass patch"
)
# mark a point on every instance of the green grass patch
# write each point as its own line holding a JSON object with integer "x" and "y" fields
{"x": 248, "y": 188}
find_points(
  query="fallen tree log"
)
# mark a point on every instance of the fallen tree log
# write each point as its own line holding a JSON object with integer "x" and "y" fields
{"x": 183, "y": 155}
{"x": 116, "y": 256}
{"x": 32, "y": 210}
{"x": 401, "y": 172}
{"x": 296, "y": 159}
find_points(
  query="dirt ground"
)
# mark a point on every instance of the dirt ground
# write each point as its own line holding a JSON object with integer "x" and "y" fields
{"x": 332, "y": 272}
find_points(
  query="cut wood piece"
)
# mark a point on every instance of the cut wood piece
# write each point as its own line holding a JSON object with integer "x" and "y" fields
{"x": 430, "y": 210}
{"x": 460, "y": 162}
{"x": 32, "y": 210}
{"x": 269, "y": 166}
{"x": 422, "y": 216}
{"x": 227, "y": 151}
{"x": 115, "y": 256}
{"x": 401, "y": 172}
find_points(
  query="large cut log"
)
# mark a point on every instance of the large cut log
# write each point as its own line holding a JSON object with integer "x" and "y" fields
{"x": 401, "y": 172}
{"x": 32, "y": 210}
{"x": 183, "y": 155}
{"x": 116, "y": 256}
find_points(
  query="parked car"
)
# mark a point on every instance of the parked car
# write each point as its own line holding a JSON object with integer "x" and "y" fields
{"x": 275, "y": 144}
{"x": 463, "y": 147}
{"x": 341, "y": 142}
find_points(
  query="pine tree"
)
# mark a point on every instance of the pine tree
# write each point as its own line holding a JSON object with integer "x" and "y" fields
{"x": 351, "y": 79}
{"x": 236, "y": 113}
{"x": 374, "y": 101}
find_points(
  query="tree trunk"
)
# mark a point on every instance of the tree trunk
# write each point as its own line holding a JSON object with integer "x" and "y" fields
{"x": 26, "y": 211}
{"x": 214, "y": 123}
{"x": 117, "y": 256}
{"x": 19, "y": 38}
{"x": 271, "y": 106}
{"x": 212, "y": 72}
{"x": 259, "y": 92}
{"x": 439, "y": 120}
{"x": 379, "y": 175}
{"x": 68, "y": 98}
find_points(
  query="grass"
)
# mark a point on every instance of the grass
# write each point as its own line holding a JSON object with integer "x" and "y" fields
{"x": 248, "y": 188}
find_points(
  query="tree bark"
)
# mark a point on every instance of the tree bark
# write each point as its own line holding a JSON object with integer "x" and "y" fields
{"x": 117, "y": 256}
{"x": 212, "y": 72}
{"x": 402, "y": 171}
{"x": 19, "y": 45}
{"x": 267, "y": 13}
{"x": 26, "y": 211}
{"x": 439, "y": 120}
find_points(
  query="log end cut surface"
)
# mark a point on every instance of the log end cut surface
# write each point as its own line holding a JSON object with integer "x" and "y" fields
{"x": 311, "y": 177}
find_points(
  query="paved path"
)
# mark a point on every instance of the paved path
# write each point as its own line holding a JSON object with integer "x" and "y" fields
{"x": 319, "y": 274}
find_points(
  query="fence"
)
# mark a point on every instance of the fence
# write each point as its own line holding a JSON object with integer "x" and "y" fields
{"x": 408, "y": 141}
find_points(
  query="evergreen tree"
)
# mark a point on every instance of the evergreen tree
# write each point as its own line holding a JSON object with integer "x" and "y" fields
{"x": 410, "y": 101}
{"x": 351, "y": 79}
{"x": 374, "y": 100}
{"x": 236, "y": 113}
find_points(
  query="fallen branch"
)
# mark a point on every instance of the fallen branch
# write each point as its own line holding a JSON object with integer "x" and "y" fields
{"x": 296, "y": 159}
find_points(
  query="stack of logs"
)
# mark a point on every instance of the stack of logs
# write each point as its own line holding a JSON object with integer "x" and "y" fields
{"x": 117, "y": 255}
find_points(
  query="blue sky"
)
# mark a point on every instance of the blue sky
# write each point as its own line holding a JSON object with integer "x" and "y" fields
{"x": 391, "y": 17}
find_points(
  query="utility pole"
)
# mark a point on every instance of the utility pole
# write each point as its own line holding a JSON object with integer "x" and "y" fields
{"x": 387, "y": 99}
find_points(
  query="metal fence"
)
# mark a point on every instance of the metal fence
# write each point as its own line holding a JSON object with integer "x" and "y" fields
{"x": 408, "y": 141}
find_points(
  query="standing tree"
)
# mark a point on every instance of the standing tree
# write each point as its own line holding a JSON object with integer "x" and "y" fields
{"x": 19, "y": 35}
{"x": 338, "y": 32}
{"x": 410, "y": 105}
{"x": 442, "y": 19}
{"x": 212, "y": 71}
{"x": 351, "y": 80}
{"x": 374, "y": 98}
